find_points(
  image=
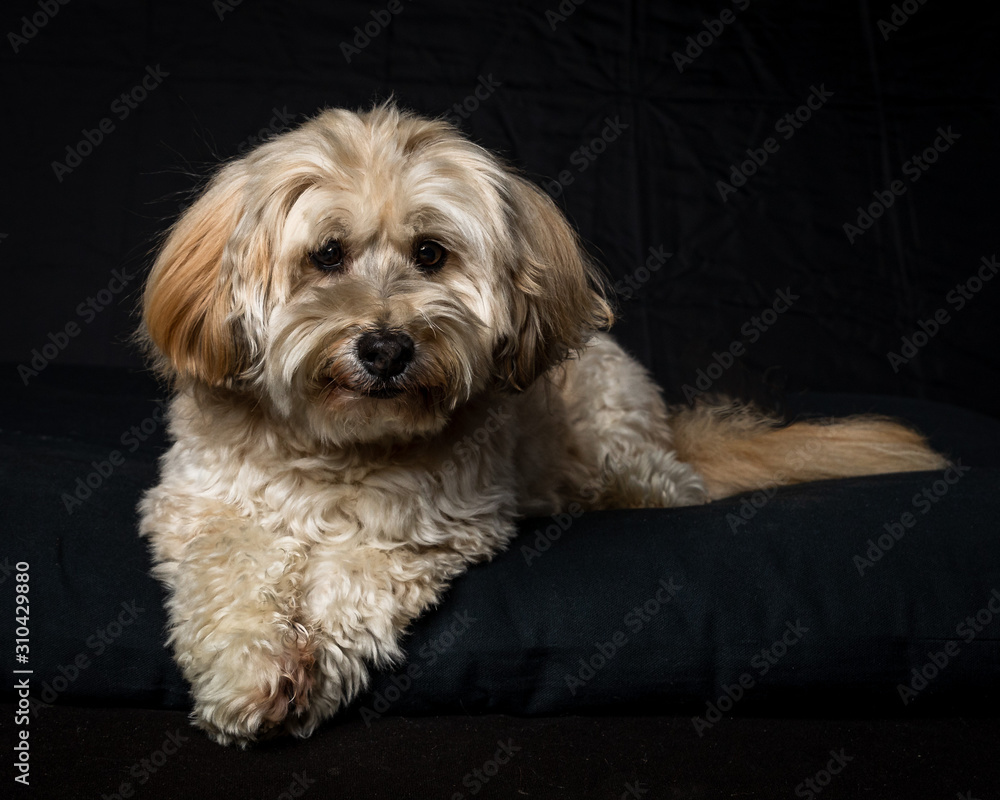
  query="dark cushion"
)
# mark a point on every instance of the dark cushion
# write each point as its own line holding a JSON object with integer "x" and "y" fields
{"x": 820, "y": 597}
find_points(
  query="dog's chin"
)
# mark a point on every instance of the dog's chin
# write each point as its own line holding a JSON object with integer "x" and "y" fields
{"x": 372, "y": 412}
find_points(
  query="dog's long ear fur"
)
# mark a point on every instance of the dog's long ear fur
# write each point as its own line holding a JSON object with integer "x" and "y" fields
{"x": 188, "y": 302}
{"x": 557, "y": 298}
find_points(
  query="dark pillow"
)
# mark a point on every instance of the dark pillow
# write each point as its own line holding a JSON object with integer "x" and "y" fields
{"x": 844, "y": 596}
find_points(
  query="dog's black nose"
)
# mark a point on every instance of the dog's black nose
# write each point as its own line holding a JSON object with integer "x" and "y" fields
{"x": 385, "y": 354}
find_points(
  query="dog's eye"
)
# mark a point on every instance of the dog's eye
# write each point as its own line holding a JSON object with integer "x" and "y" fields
{"x": 329, "y": 257}
{"x": 430, "y": 255}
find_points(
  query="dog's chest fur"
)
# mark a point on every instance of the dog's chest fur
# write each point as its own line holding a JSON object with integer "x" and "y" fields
{"x": 426, "y": 493}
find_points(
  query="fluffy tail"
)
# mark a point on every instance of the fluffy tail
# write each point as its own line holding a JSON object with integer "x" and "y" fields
{"x": 738, "y": 448}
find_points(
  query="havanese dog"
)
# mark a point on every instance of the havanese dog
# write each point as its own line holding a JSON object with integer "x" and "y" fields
{"x": 336, "y": 313}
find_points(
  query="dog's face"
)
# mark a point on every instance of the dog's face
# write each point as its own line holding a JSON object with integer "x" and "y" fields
{"x": 366, "y": 274}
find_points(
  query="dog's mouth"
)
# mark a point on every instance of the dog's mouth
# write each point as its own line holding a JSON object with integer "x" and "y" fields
{"x": 381, "y": 392}
{"x": 337, "y": 384}
{"x": 368, "y": 389}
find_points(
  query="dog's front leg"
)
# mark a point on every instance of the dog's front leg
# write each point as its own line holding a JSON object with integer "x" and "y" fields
{"x": 358, "y": 601}
{"x": 233, "y": 612}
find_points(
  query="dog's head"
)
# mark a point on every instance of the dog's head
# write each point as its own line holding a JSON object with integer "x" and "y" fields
{"x": 366, "y": 274}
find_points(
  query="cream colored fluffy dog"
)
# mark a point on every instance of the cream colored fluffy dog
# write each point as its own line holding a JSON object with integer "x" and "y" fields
{"x": 337, "y": 313}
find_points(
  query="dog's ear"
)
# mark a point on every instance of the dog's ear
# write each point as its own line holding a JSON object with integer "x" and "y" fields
{"x": 188, "y": 302}
{"x": 557, "y": 298}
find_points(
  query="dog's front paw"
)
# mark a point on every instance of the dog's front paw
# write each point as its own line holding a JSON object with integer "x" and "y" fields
{"x": 249, "y": 691}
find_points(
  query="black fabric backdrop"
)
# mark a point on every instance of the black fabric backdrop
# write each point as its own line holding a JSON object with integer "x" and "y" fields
{"x": 551, "y": 79}
{"x": 592, "y": 94}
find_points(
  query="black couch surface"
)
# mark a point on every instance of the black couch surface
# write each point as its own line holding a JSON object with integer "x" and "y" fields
{"x": 823, "y": 596}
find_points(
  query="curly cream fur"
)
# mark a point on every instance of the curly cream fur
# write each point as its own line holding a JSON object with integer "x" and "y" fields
{"x": 305, "y": 515}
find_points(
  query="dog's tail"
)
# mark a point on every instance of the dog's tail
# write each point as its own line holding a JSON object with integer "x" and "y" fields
{"x": 737, "y": 448}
